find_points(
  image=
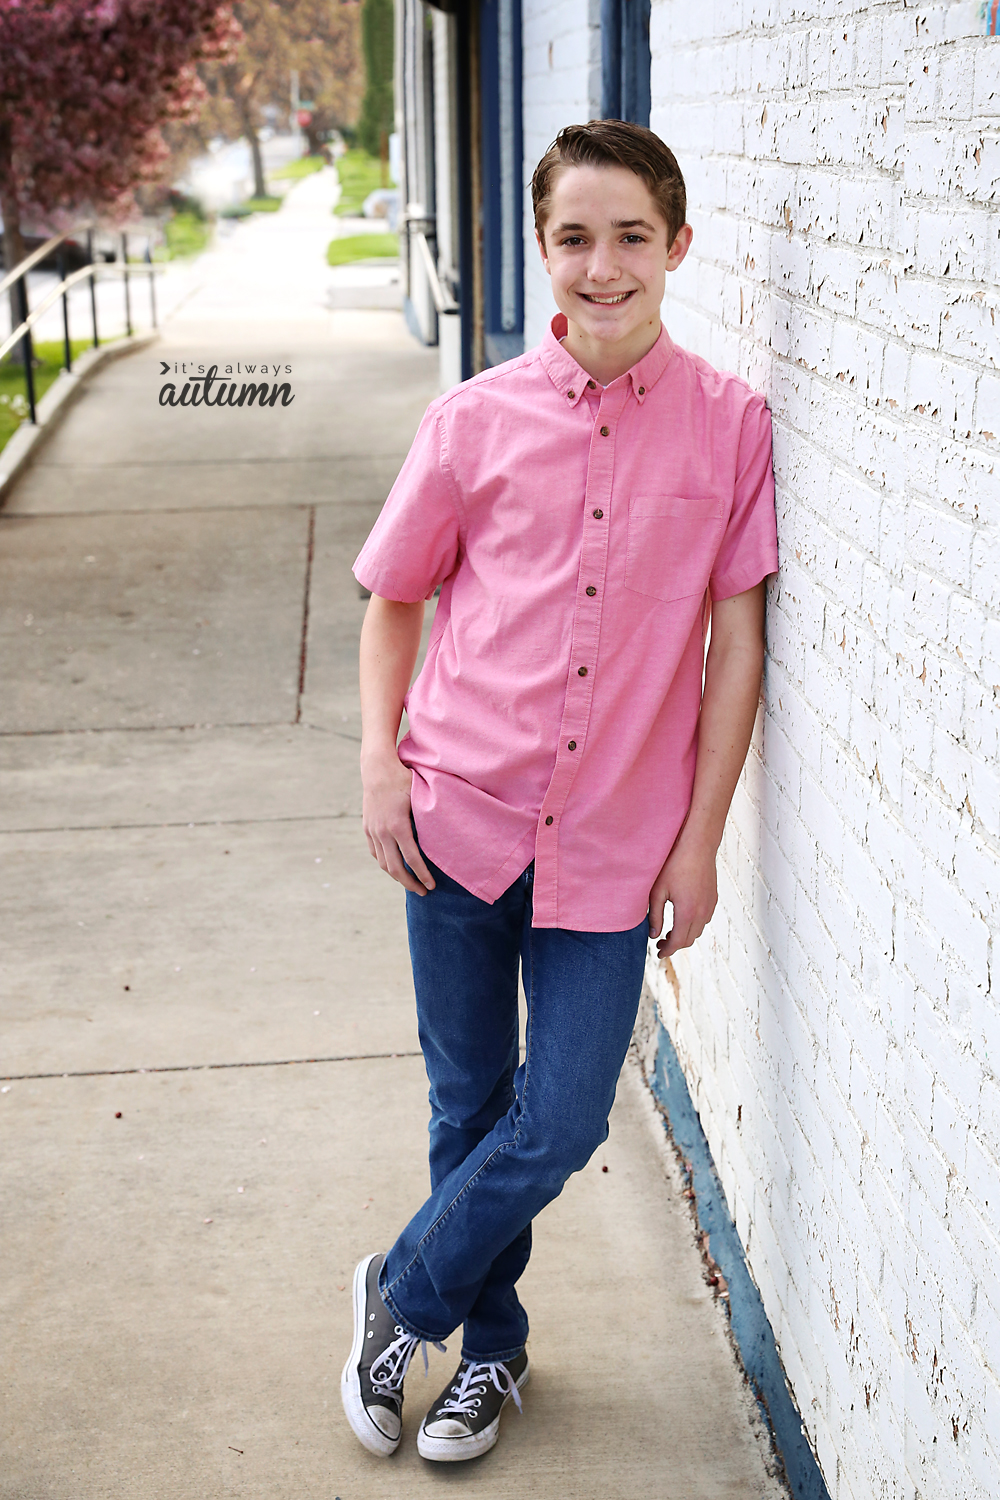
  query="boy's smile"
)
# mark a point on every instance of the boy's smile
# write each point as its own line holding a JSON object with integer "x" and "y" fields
{"x": 606, "y": 250}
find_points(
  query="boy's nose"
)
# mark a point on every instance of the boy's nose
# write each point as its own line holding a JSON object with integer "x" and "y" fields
{"x": 603, "y": 264}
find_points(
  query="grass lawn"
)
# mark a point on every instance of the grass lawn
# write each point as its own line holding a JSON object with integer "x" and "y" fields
{"x": 360, "y": 174}
{"x": 304, "y": 167}
{"x": 13, "y": 400}
{"x": 185, "y": 234}
{"x": 362, "y": 247}
{"x": 266, "y": 205}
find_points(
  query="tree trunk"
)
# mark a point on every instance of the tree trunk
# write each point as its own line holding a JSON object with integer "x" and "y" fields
{"x": 13, "y": 243}
{"x": 250, "y": 131}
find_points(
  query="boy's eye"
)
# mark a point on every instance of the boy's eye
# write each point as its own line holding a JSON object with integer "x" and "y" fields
{"x": 572, "y": 239}
{"x": 635, "y": 239}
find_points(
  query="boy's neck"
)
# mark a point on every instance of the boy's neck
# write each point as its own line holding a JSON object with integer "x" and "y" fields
{"x": 605, "y": 362}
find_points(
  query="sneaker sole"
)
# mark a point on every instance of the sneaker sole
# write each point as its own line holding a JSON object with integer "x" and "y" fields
{"x": 364, "y": 1429}
{"x": 457, "y": 1450}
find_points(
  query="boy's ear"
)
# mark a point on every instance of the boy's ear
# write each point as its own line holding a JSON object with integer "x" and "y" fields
{"x": 541, "y": 249}
{"x": 680, "y": 247}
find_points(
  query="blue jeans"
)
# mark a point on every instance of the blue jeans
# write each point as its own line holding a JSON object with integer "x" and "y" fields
{"x": 503, "y": 1138}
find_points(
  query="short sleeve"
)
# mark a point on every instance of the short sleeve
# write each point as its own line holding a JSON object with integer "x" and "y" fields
{"x": 414, "y": 544}
{"x": 749, "y": 550}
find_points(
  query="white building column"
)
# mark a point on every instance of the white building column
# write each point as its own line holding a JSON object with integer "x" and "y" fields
{"x": 562, "y": 86}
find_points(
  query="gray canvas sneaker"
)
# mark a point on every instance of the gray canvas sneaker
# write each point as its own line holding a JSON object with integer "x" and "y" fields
{"x": 371, "y": 1386}
{"x": 465, "y": 1419}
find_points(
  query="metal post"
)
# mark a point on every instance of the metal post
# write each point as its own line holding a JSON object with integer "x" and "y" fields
{"x": 27, "y": 352}
{"x": 67, "y": 351}
{"x": 128, "y": 305}
{"x": 152, "y": 283}
{"x": 93, "y": 294}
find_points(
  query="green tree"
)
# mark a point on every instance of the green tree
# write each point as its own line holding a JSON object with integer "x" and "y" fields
{"x": 318, "y": 38}
{"x": 377, "y": 22}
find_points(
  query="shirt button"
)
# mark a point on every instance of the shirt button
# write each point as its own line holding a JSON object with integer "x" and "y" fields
{"x": 548, "y": 820}
{"x": 642, "y": 390}
{"x": 591, "y": 385}
{"x": 581, "y": 671}
{"x": 571, "y": 745}
{"x": 571, "y": 394}
{"x": 605, "y": 432}
{"x": 591, "y": 591}
{"x": 598, "y": 514}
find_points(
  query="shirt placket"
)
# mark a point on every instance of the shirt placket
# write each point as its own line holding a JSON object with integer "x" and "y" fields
{"x": 584, "y": 653}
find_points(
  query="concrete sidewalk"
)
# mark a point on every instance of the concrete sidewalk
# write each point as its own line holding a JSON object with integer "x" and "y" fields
{"x": 190, "y": 911}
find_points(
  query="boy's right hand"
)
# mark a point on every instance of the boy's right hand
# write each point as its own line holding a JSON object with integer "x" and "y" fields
{"x": 385, "y": 817}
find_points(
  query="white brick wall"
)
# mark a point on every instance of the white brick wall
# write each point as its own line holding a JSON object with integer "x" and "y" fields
{"x": 562, "y": 86}
{"x": 838, "y": 1024}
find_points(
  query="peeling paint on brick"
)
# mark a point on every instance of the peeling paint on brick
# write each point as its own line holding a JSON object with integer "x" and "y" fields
{"x": 838, "y": 1027}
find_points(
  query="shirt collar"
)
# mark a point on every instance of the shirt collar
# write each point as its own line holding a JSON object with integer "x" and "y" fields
{"x": 571, "y": 380}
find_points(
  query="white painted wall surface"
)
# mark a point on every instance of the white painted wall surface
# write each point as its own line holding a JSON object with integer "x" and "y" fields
{"x": 562, "y": 86}
{"x": 840, "y": 1023}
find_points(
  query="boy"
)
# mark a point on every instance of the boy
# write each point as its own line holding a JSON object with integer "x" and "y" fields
{"x": 582, "y": 508}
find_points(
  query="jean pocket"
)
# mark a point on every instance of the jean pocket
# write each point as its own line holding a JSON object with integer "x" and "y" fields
{"x": 673, "y": 541}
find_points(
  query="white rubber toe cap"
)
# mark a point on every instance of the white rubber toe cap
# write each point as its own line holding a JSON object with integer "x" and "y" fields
{"x": 446, "y": 1427}
{"x": 386, "y": 1421}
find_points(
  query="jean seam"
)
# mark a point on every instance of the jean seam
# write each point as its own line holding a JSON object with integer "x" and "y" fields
{"x": 443, "y": 1215}
{"x": 530, "y": 997}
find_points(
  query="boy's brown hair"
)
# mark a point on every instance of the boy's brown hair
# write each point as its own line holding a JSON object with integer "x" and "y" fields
{"x": 613, "y": 143}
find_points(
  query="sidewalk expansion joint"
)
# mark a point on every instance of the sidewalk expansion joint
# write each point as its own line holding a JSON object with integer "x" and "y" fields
{"x": 162, "y": 510}
{"x": 185, "y": 823}
{"x": 304, "y": 645}
{"x": 31, "y": 734}
{"x": 28, "y": 734}
{"x": 193, "y": 463}
{"x": 276, "y": 1062}
{"x": 250, "y": 509}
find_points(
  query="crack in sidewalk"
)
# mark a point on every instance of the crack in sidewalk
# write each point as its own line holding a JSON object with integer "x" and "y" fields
{"x": 199, "y": 823}
{"x": 304, "y": 645}
{"x": 277, "y": 1062}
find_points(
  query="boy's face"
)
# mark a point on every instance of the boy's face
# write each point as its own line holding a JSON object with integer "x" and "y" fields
{"x": 606, "y": 251}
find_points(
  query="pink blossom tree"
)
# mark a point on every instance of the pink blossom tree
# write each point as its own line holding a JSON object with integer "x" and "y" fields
{"x": 85, "y": 87}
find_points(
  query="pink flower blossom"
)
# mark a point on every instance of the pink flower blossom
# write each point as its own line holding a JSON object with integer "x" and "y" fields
{"x": 85, "y": 86}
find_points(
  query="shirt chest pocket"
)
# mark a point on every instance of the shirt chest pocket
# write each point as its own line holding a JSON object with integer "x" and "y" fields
{"x": 672, "y": 544}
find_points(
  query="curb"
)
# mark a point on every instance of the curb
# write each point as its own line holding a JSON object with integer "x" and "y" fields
{"x": 749, "y": 1327}
{"x": 29, "y": 438}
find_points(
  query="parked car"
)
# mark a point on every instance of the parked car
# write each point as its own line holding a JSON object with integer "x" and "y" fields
{"x": 383, "y": 203}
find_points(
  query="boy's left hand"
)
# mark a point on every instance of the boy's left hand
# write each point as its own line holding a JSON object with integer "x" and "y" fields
{"x": 688, "y": 881}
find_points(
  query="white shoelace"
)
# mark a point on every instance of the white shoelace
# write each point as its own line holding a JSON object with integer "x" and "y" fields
{"x": 395, "y": 1357}
{"x": 468, "y": 1388}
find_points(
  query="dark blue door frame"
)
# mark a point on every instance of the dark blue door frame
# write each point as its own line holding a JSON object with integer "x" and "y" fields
{"x": 625, "y": 61}
{"x": 500, "y": 69}
{"x": 490, "y": 185}
{"x": 468, "y": 57}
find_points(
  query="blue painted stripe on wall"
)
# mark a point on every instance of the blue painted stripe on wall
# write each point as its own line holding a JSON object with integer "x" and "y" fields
{"x": 750, "y": 1325}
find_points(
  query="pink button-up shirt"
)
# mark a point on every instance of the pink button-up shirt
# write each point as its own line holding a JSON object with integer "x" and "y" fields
{"x": 577, "y": 534}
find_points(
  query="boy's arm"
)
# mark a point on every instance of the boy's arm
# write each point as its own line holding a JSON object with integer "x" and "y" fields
{"x": 728, "y": 709}
{"x": 390, "y": 640}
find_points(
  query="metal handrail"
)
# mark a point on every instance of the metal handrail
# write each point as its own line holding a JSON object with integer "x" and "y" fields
{"x": 64, "y": 286}
{"x": 18, "y": 280}
{"x": 30, "y": 261}
{"x": 443, "y": 301}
